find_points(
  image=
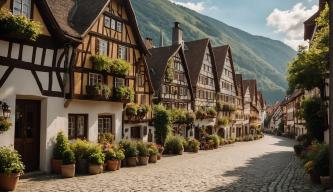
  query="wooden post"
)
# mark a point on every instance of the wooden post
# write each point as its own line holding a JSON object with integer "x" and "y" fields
{"x": 331, "y": 89}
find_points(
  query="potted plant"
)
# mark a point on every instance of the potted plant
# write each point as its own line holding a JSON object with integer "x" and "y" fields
{"x": 298, "y": 149}
{"x": 211, "y": 112}
{"x": 106, "y": 91}
{"x": 96, "y": 162}
{"x": 80, "y": 149}
{"x": 94, "y": 90}
{"x": 68, "y": 164}
{"x": 119, "y": 67}
{"x": 11, "y": 168}
{"x": 96, "y": 159}
{"x": 321, "y": 163}
{"x": 143, "y": 154}
{"x": 142, "y": 111}
{"x": 201, "y": 114}
{"x": 5, "y": 124}
{"x": 131, "y": 110}
{"x": 60, "y": 147}
{"x": 101, "y": 62}
{"x": 120, "y": 157}
{"x": 131, "y": 154}
{"x": 153, "y": 152}
{"x": 111, "y": 159}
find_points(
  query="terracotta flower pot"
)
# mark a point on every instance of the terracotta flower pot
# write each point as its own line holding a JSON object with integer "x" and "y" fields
{"x": 159, "y": 157}
{"x": 82, "y": 166}
{"x": 143, "y": 160}
{"x": 68, "y": 171}
{"x": 95, "y": 169}
{"x": 153, "y": 159}
{"x": 112, "y": 165}
{"x": 8, "y": 181}
{"x": 315, "y": 178}
{"x": 123, "y": 163}
{"x": 56, "y": 166}
{"x": 131, "y": 161}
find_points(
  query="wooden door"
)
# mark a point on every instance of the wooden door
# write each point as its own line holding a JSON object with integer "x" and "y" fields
{"x": 27, "y": 132}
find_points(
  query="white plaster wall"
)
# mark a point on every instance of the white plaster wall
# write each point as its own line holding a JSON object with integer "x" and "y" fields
{"x": 144, "y": 138}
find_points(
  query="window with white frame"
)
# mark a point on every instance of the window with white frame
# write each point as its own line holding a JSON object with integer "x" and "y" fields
{"x": 122, "y": 52}
{"x": 119, "y": 82}
{"x": 104, "y": 124}
{"x": 22, "y": 7}
{"x": 113, "y": 24}
{"x": 107, "y": 22}
{"x": 95, "y": 79}
{"x": 103, "y": 47}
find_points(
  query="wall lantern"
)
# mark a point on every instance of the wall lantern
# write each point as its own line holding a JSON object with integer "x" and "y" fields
{"x": 6, "y": 111}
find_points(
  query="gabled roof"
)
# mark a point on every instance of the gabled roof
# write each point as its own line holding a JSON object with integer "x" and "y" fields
{"x": 239, "y": 84}
{"x": 252, "y": 85}
{"x": 310, "y": 26}
{"x": 76, "y": 17}
{"x": 221, "y": 54}
{"x": 293, "y": 96}
{"x": 157, "y": 63}
{"x": 195, "y": 53}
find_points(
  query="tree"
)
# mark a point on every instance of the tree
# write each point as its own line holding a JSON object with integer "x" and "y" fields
{"x": 313, "y": 112}
{"x": 307, "y": 71}
{"x": 162, "y": 123}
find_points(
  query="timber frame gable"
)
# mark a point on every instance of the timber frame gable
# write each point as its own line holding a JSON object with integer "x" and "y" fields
{"x": 177, "y": 93}
{"x": 48, "y": 58}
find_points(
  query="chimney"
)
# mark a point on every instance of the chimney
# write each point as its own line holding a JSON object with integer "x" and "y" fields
{"x": 177, "y": 35}
{"x": 149, "y": 43}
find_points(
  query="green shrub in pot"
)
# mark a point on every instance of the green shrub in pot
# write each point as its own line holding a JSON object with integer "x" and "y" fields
{"x": 174, "y": 145}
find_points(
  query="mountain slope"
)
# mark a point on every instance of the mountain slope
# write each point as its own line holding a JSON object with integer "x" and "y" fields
{"x": 254, "y": 56}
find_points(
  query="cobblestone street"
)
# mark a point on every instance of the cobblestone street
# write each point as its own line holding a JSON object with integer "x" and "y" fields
{"x": 264, "y": 165}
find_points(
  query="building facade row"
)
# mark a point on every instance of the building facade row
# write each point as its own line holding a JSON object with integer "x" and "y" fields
{"x": 90, "y": 62}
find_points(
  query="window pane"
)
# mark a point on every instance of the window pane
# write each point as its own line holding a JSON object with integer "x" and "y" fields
{"x": 113, "y": 24}
{"x": 80, "y": 126}
{"x": 103, "y": 47}
{"x": 107, "y": 21}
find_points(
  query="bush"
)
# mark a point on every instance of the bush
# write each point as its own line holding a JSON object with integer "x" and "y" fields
{"x": 110, "y": 155}
{"x": 119, "y": 67}
{"x": 201, "y": 114}
{"x": 129, "y": 147}
{"x": 131, "y": 110}
{"x": 80, "y": 149}
{"x": 120, "y": 154}
{"x": 61, "y": 146}
{"x": 142, "y": 149}
{"x": 96, "y": 158}
{"x": 174, "y": 145}
{"x": 215, "y": 139}
{"x": 123, "y": 93}
{"x": 162, "y": 123}
{"x": 115, "y": 66}
{"x": 5, "y": 124}
{"x": 105, "y": 138}
{"x": 193, "y": 145}
{"x": 321, "y": 161}
{"x": 211, "y": 112}
{"x": 19, "y": 25}
{"x": 224, "y": 121}
{"x": 68, "y": 157}
{"x": 10, "y": 161}
{"x": 152, "y": 149}
{"x": 142, "y": 111}
{"x": 304, "y": 140}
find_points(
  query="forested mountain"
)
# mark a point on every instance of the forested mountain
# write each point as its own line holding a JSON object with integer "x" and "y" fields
{"x": 256, "y": 57}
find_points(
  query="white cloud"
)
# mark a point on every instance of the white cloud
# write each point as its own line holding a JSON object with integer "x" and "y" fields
{"x": 198, "y": 7}
{"x": 290, "y": 23}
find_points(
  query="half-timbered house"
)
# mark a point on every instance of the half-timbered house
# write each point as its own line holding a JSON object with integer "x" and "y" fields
{"x": 52, "y": 84}
{"x": 227, "y": 95}
{"x": 240, "y": 132}
{"x": 251, "y": 111}
{"x": 203, "y": 74}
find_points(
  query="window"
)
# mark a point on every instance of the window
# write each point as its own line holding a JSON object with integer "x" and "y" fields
{"x": 122, "y": 52}
{"x": 22, "y": 7}
{"x": 103, "y": 47}
{"x": 95, "y": 79}
{"x": 105, "y": 124}
{"x": 113, "y": 24}
{"x": 143, "y": 100}
{"x": 119, "y": 26}
{"x": 107, "y": 22}
{"x": 119, "y": 82}
{"x": 77, "y": 126}
{"x": 135, "y": 132}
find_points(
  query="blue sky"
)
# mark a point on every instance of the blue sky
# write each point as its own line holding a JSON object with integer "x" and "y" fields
{"x": 276, "y": 19}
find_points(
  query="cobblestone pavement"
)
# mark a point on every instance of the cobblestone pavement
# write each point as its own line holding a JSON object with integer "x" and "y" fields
{"x": 264, "y": 165}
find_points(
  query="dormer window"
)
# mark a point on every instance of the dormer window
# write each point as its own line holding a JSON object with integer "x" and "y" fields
{"x": 22, "y": 8}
